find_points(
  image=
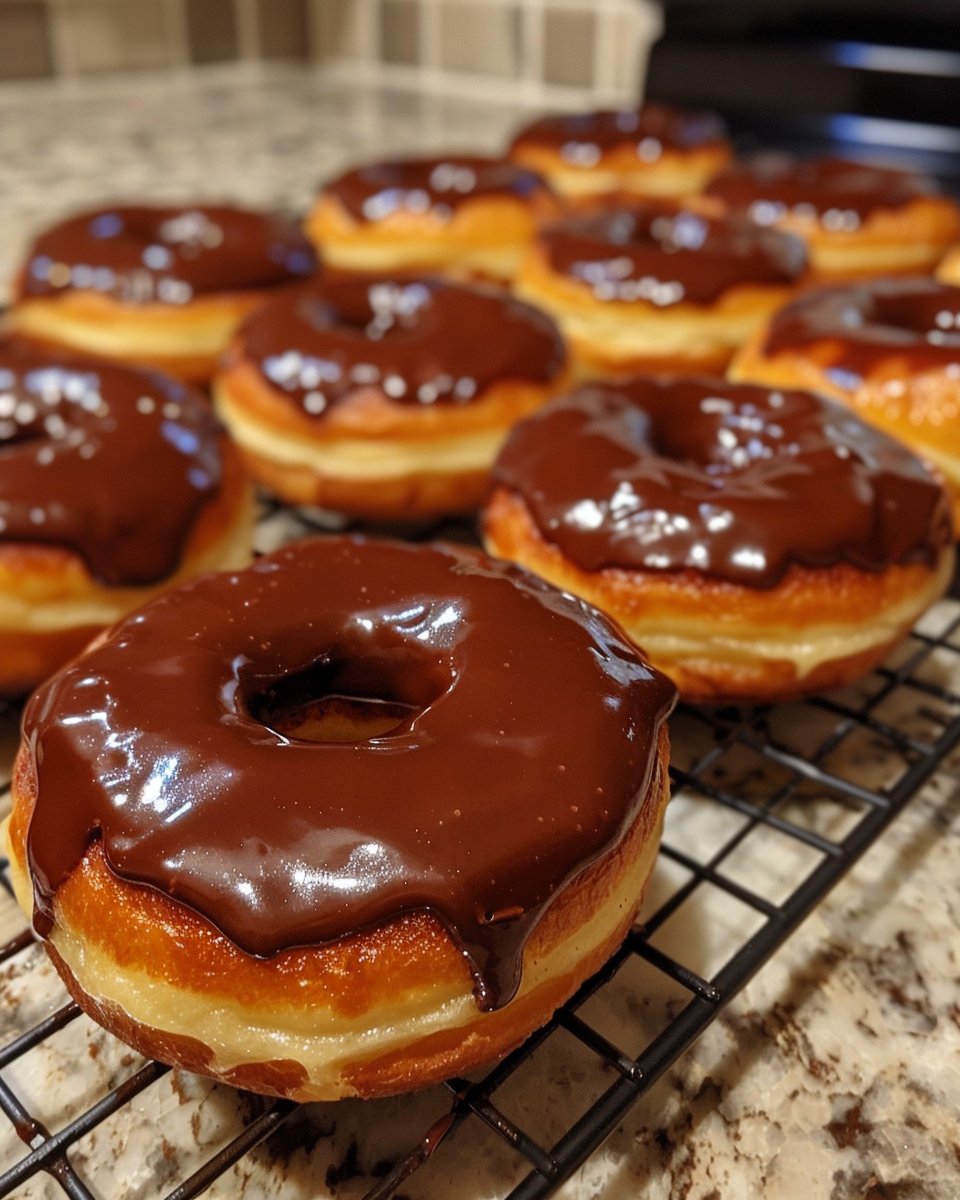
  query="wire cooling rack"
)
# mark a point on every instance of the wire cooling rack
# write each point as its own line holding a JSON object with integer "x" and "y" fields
{"x": 771, "y": 807}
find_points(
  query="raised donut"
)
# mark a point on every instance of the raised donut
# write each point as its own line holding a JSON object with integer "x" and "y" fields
{"x": 757, "y": 544}
{"x": 114, "y": 484}
{"x": 406, "y": 895}
{"x": 656, "y": 287}
{"x": 656, "y": 150}
{"x": 857, "y": 219}
{"x": 889, "y": 349}
{"x": 385, "y": 398}
{"x": 463, "y": 215}
{"x": 159, "y": 286}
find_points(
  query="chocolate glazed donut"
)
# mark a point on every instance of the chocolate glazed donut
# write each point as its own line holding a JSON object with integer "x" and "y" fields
{"x": 858, "y": 219}
{"x": 656, "y": 286}
{"x": 387, "y": 397}
{"x": 143, "y": 254}
{"x": 482, "y": 798}
{"x": 582, "y": 137}
{"x": 158, "y": 286}
{"x": 656, "y": 150}
{"x": 425, "y": 343}
{"x": 888, "y": 349}
{"x": 744, "y": 537}
{"x": 113, "y": 482}
{"x": 111, "y": 463}
{"x": 464, "y": 216}
{"x": 665, "y": 255}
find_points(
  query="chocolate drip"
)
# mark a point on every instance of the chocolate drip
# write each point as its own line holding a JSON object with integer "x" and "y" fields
{"x": 435, "y": 185}
{"x": 165, "y": 255}
{"x": 840, "y": 194}
{"x": 727, "y": 480}
{"x": 479, "y": 807}
{"x": 915, "y": 320}
{"x": 663, "y": 255}
{"x": 423, "y": 342}
{"x": 113, "y": 463}
{"x": 582, "y": 138}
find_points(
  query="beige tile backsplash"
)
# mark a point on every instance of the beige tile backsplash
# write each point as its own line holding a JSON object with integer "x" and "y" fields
{"x": 25, "y": 40}
{"x": 569, "y": 37}
{"x": 283, "y": 29}
{"x": 342, "y": 31}
{"x": 549, "y": 46}
{"x": 480, "y": 38}
{"x": 212, "y": 30}
{"x": 400, "y": 32}
{"x": 93, "y": 36}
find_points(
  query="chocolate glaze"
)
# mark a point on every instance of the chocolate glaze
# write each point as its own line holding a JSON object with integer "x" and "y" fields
{"x": 582, "y": 138}
{"x": 838, "y": 193}
{"x": 659, "y": 254}
{"x": 166, "y": 255}
{"x": 727, "y": 480}
{"x": 113, "y": 463}
{"x": 915, "y": 320}
{"x": 479, "y": 807}
{"x": 435, "y": 185}
{"x": 422, "y": 341}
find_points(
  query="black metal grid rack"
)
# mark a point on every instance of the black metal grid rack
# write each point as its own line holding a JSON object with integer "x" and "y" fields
{"x": 777, "y": 772}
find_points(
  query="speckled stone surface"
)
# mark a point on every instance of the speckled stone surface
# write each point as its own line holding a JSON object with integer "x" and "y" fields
{"x": 834, "y": 1075}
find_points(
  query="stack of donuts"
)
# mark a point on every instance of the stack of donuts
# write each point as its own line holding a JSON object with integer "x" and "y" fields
{"x": 329, "y": 824}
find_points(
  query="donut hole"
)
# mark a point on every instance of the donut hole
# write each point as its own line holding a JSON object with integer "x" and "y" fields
{"x": 347, "y": 700}
{"x": 929, "y": 313}
{"x": 376, "y": 310}
{"x": 717, "y": 436}
{"x": 13, "y": 433}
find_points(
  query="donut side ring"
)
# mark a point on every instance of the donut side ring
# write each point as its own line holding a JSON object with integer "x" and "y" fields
{"x": 184, "y": 340}
{"x": 721, "y": 643}
{"x": 373, "y": 1014}
{"x": 949, "y": 269}
{"x": 484, "y": 238}
{"x": 370, "y": 457}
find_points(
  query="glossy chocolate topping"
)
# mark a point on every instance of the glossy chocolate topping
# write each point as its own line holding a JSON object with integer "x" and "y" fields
{"x": 582, "y": 138}
{"x": 429, "y": 185}
{"x": 915, "y": 320}
{"x": 166, "y": 255}
{"x": 112, "y": 463}
{"x": 838, "y": 194}
{"x": 423, "y": 342}
{"x": 662, "y": 255}
{"x": 528, "y": 744}
{"x": 724, "y": 479}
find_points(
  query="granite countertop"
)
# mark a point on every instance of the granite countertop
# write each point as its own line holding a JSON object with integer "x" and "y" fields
{"x": 835, "y": 1074}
